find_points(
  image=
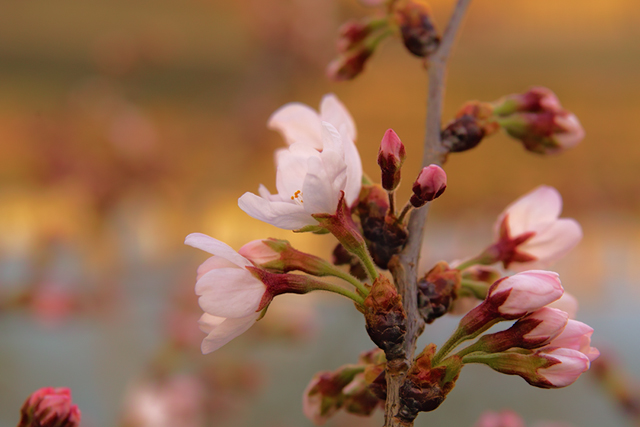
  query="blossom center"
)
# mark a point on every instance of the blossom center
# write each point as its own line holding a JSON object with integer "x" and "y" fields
{"x": 297, "y": 197}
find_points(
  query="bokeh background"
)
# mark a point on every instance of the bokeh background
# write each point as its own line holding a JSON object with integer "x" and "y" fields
{"x": 126, "y": 125}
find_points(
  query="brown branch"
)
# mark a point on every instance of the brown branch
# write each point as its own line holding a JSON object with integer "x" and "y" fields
{"x": 404, "y": 268}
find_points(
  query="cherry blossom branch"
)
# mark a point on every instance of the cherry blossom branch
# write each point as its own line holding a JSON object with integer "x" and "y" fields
{"x": 404, "y": 268}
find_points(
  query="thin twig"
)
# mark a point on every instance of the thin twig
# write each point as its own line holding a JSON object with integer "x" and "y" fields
{"x": 404, "y": 270}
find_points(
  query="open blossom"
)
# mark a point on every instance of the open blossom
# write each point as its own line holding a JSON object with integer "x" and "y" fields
{"x": 529, "y": 233}
{"x": 320, "y": 163}
{"x": 229, "y": 294}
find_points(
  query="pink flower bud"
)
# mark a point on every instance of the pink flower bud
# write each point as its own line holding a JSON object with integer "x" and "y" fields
{"x": 259, "y": 252}
{"x": 499, "y": 419}
{"x": 430, "y": 184}
{"x": 576, "y": 336}
{"x": 350, "y": 64}
{"x": 551, "y": 323}
{"x": 569, "y": 365}
{"x": 517, "y": 295}
{"x": 531, "y": 331}
{"x": 567, "y": 303}
{"x": 49, "y": 407}
{"x": 351, "y": 33}
{"x": 390, "y": 158}
{"x": 535, "y": 100}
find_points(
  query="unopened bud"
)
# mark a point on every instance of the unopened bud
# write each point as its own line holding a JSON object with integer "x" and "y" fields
{"x": 437, "y": 291}
{"x": 49, "y": 407}
{"x": 358, "y": 398}
{"x": 390, "y": 158}
{"x": 351, "y": 33}
{"x": 531, "y": 331}
{"x": 545, "y": 132}
{"x": 430, "y": 184}
{"x": 545, "y": 368}
{"x": 385, "y": 318}
{"x": 535, "y": 100}
{"x": 415, "y": 20}
{"x": 350, "y": 64}
{"x": 426, "y": 386}
{"x": 323, "y": 396}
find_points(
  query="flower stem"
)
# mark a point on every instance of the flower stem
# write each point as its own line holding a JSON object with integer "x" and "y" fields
{"x": 319, "y": 285}
{"x": 336, "y": 272}
{"x": 477, "y": 288}
{"x": 407, "y": 208}
{"x": 392, "y": 203}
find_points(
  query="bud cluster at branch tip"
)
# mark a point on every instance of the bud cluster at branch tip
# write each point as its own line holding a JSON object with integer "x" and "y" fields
{"x": 419, "y": 34}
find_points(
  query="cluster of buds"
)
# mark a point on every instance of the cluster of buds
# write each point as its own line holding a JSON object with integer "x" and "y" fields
{"x": 544, "y": 346}
{"x": 383, "y": 227}
{"x": 535, "y": 118}
{"x": 538, "y": 120}
{"x": 49, "y": 407}
{"x": 358, "y": 39}
{"x": 346, "y": 388}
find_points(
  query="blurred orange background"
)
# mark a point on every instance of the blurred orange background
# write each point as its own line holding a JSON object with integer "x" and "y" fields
{"x": 124, "y": 126}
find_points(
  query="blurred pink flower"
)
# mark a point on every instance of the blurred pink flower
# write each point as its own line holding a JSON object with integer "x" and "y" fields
{"x": 499, "y": 419}
{"x": 49, "y": 407}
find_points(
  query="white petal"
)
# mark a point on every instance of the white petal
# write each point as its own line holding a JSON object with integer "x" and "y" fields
{"x": 297, "y": 123}
{"x": 334, "y": 112}
{"x": 215, "y": 247}
{"x": 354, "y": 172}
{"x": 320, "y": 194}
{"x": 213, "y": 263}
{"x": 289, "y": 216}
{"x": 542, "y": 205}
{"x": 208, "y": 322}
{"x": 292, "y": 169}
{"x": 222, "y": 332}
{"x": 551, "y": 243}
{"x": 229, "y": 292}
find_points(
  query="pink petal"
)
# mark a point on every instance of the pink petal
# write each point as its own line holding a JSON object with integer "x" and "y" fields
{"x": 542, "y": 205}
{"x": 551, "y": 243}
{"x": 572, "y": 365}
